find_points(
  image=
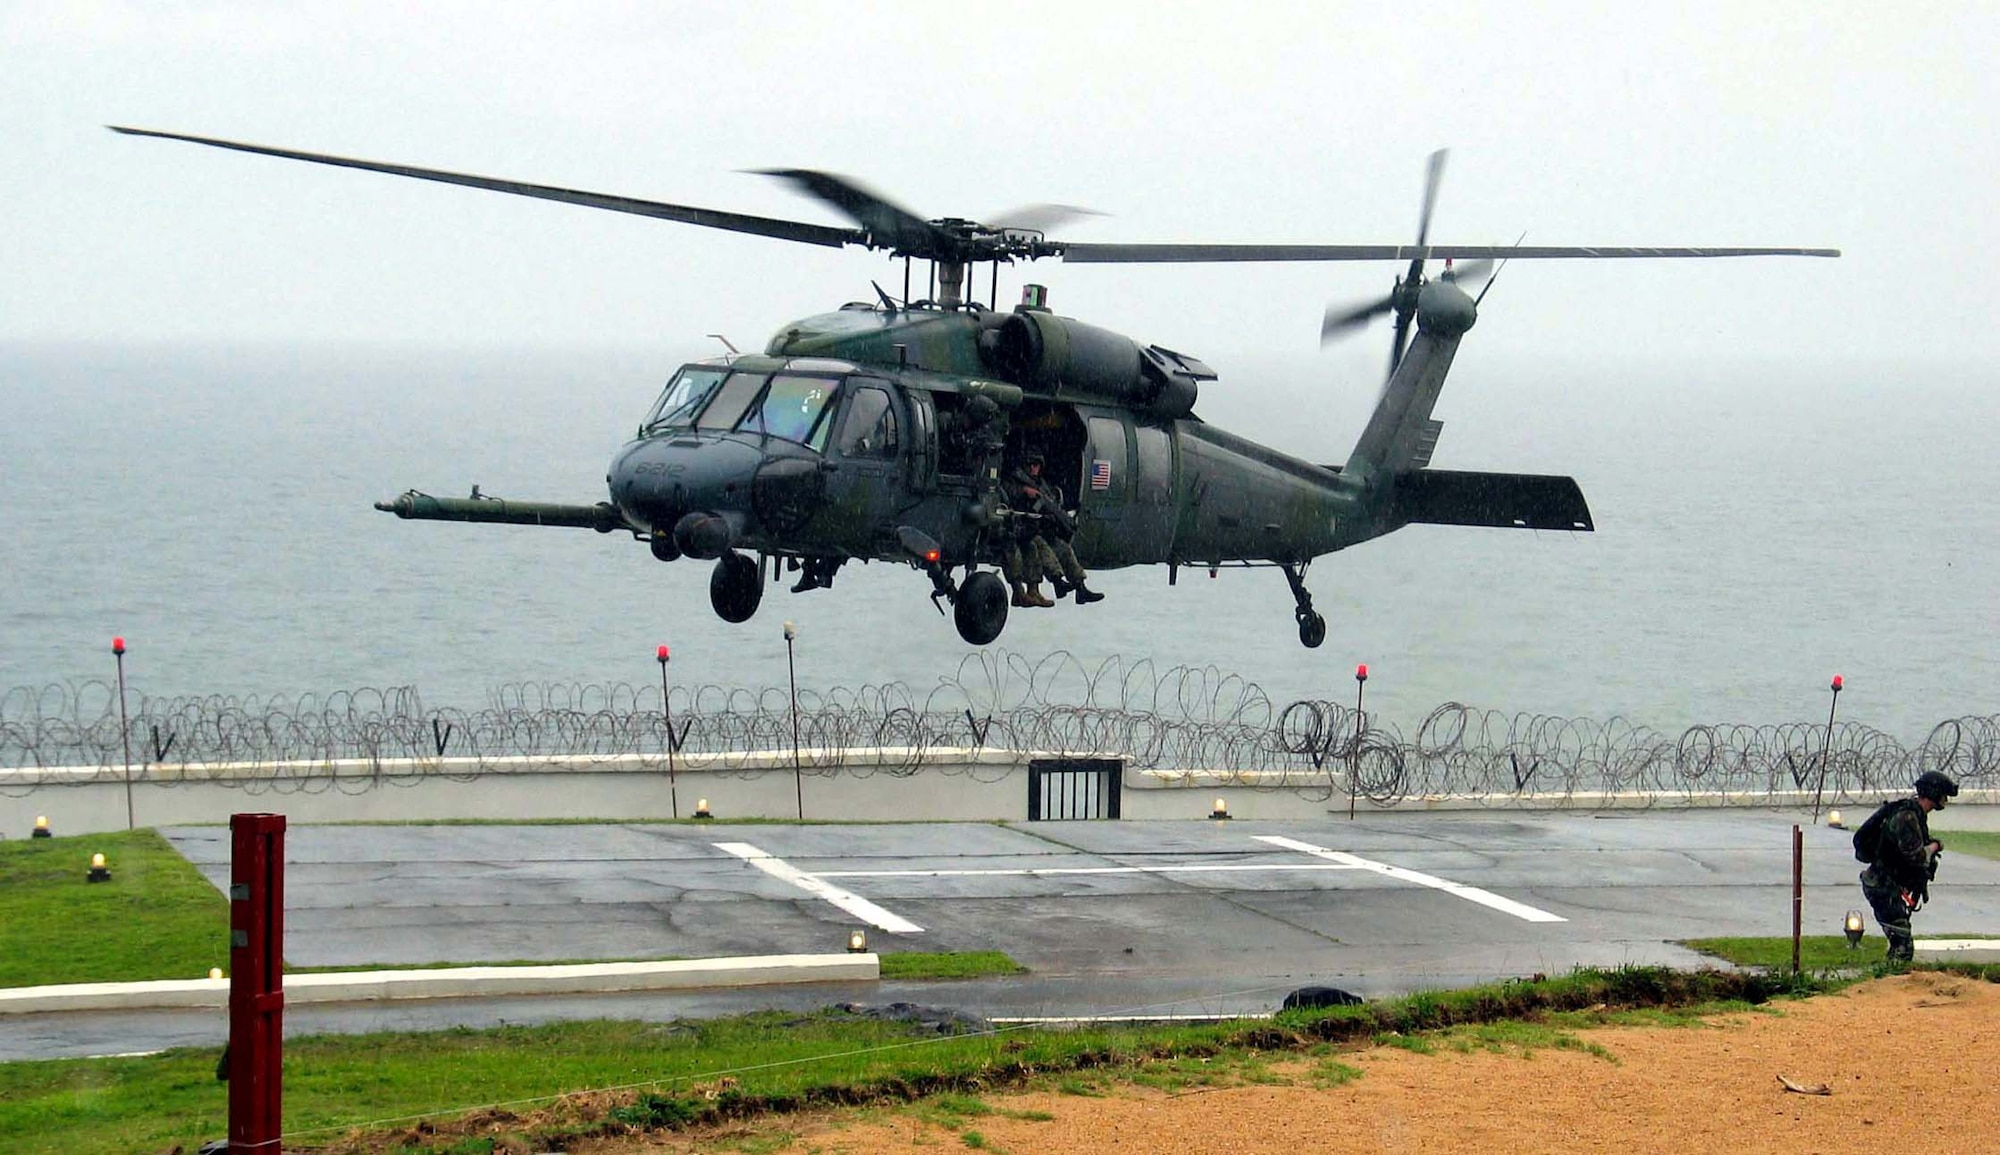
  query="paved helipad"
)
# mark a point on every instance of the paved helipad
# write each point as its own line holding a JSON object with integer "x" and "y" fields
{"x": 1411, "y": 895}
{"x": 1194, "y": 916}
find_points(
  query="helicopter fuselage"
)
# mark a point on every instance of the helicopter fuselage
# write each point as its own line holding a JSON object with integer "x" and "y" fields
{"x": 818, "y": 455}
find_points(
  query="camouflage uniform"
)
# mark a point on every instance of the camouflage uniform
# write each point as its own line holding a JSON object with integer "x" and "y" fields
{"x": 1898, "y": 881}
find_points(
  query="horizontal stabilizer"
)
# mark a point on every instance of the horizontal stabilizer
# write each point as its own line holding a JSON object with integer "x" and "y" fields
{"x": 1502, "y": 500}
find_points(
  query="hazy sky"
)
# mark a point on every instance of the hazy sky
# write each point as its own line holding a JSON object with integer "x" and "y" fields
{"x": 1867, "y": 127}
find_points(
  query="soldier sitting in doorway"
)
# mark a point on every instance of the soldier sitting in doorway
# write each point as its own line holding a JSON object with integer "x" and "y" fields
{"x": 1040, "y": 544}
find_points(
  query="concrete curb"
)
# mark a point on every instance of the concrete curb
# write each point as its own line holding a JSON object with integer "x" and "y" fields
{"x": 1965, "y": 950}
{"x": 458, "y": 982}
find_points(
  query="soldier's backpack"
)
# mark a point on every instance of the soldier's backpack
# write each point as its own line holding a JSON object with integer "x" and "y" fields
{"x": 1868, "y": 839}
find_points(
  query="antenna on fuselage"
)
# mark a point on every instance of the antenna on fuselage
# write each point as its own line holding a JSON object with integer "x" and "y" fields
{"x": 733, "y": 350}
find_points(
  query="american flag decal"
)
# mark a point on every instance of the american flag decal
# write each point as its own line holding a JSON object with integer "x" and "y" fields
{"x": 1100, "y": 474}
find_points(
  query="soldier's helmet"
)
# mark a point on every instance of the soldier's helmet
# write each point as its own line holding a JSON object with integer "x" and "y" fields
{"x": 1935, "y": 786}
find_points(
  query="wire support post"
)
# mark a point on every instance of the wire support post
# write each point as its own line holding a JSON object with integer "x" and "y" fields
{"x": 1826, "y": 747}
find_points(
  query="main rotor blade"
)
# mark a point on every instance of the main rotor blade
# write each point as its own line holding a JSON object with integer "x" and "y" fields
{"x": 1339, "y": 321}
{"x": 1038, "y": 218}
{"x": 888, "y": 224}
{"x": 1193, "y": 254}
{"x": 708, "y": 218}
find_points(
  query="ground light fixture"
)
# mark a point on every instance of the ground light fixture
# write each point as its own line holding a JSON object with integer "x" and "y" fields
{"x": 857, "y": 942}
{"x": 1834, "y": 820}
{"x": 701, "y": 808}
{"x": 1221, "y": 811}
{"x": 42, "y": 827}
{"x": 98, "y": 871}
{"x": 1854, "y": 927}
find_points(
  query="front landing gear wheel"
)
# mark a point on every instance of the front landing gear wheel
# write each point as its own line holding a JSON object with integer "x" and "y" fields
{"x": 1312, "y": 630}
{"x": 980, "y": 608}
{"x": 735, "y": 587}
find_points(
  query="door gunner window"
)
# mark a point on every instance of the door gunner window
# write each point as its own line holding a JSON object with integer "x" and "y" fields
{"x": 870, "y": 428}
{"x": 730, "y": 401}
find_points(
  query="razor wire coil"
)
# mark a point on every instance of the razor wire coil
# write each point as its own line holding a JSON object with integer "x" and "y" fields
{"x": 1177, "y": 720}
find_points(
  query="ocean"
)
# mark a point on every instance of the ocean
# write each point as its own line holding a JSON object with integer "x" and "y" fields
{"x": 1760, "y": 528}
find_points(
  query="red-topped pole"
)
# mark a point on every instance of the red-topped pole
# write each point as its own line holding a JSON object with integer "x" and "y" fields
{"x": 1826, "y": 748}
{"x": 124, "y": 730}
{"x": 667, "y": 707}
{"x": 1354, "y": 764}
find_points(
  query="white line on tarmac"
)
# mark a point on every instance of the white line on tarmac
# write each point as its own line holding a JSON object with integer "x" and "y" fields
{"x": 848, "y": 901}
{"x": 1486, "y": 898}
{"x": 1038, "y": 871}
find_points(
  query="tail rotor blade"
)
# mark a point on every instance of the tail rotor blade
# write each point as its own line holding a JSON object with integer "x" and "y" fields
{"x": 1466, "y": 272}
{"x": 1401, "y": 340}
{"x": 1339, "y": 322}
{"x": 1433, "y": 174}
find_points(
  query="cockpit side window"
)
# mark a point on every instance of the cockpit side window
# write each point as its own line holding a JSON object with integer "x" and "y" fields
{"x": 869, "y": 429}
{"x": 791, "y": 408}
{"x": 683, "y": 398}
{"x": 731, "y": 400}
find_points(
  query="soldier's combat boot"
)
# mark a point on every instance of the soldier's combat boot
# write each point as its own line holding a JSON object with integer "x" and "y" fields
{"x": 1061, "y": 586}
{"x": 1020, "y": 598}
{"x": 1085, "y": 595}
{"x": 1035, "y": 597}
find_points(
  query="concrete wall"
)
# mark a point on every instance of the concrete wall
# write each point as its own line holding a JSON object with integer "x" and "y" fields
{"x": 868, "y": 786}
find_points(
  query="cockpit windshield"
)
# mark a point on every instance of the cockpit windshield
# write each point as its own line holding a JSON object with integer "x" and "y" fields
{"x": 683, "y": 398}
{"x": 791, "y": 408}
{"x": 788, "y": 405}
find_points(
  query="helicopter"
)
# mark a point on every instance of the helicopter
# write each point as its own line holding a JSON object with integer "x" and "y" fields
{"x": 886, "y": 430}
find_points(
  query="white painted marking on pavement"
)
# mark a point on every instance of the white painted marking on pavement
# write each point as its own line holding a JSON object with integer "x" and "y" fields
{"x": 1037, "y": 871}
{"x": 1485, "y": 898}
{"x": 848, "y": 901}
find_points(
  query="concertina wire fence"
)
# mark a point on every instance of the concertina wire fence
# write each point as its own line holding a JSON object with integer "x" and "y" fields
{"x": 1179, "y": 719}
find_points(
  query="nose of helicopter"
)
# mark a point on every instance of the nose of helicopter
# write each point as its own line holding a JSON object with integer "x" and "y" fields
{"x": 712, "y": 491}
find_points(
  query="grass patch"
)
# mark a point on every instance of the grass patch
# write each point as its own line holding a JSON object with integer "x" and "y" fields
{"x": 157, "y": 918}
{"x": 1818, "y": 953}
{"x": 953, "y": 965}
{"x": 722, "y": 1071}
{"x": 1513, "y": 1037}
{"x": 1983, "y": 843}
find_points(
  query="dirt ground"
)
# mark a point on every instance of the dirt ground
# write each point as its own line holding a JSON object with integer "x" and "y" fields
{"x": 1910, "y": 1062}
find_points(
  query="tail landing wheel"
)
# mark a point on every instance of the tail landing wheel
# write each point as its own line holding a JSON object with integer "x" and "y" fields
{"x": 1312, "y": 627}
{"x": 979, "y": 608}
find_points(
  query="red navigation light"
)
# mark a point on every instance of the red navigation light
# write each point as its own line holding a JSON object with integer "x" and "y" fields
{"x": 1837, "y": 683}
{"x": 118, "y": 645}
{"x": 663, "y": 655}
{"x": 1361, "y": 672}
{"x": 931, "y": 555}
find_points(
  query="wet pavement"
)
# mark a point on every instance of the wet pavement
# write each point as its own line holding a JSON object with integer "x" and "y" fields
{"x": 1110, "y": 917}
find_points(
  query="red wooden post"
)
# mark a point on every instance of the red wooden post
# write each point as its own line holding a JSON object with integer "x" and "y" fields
{"x": 256, "y": 981}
